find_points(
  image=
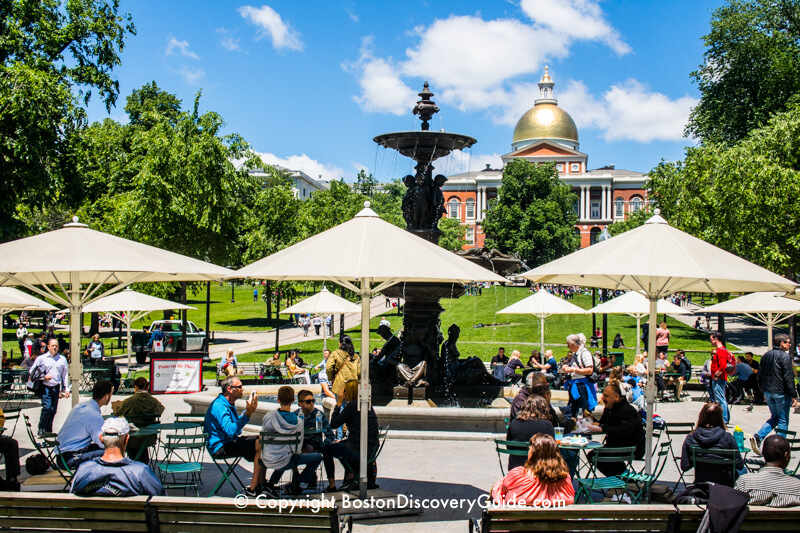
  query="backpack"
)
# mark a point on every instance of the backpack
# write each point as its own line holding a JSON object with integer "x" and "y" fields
{"x": 36, "y": 465}
{"x": 595, "y": 375}
{"x": 730, "y": 366}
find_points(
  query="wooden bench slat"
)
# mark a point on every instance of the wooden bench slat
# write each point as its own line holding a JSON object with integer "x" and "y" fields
{"x": 56, "y": 524}
{"x": 235, "y": 520}
{"x": 109, "y": 515}
{"x": 222, "y": 528}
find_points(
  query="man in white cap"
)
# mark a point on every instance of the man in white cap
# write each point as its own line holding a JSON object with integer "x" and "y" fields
{"x": 113, "y": 474}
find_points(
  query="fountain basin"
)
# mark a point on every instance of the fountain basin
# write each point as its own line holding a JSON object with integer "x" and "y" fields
{"x": 424, "y": 145}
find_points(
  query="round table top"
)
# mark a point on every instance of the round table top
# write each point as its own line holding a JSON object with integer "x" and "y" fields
{"x": 174, "y": 425}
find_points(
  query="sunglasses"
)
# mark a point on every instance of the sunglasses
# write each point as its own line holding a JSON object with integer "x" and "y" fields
{"x": 236, "y": 386}
{"x": 308, "y": 401}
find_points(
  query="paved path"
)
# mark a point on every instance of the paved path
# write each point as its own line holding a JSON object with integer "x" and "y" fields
{"x": 746, "y": 334}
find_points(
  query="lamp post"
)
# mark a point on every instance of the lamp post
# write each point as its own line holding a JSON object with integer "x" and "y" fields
{"x": 604, "y": 236}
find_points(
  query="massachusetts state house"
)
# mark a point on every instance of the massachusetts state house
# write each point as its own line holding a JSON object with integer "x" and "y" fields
{"x": 546, "y": 133}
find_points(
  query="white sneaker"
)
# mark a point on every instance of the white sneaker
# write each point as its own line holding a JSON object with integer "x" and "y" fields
{"x": 755, "y": 445}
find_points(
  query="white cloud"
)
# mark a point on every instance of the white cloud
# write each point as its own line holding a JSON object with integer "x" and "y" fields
{"x": 476, "y": 64}
{"x": 629, "y": 111}
{"x": 180, "y": 47}
{"x": 191, "y": 76}
{"x": 359, "y": 167}
{"x": 271, "y": 25}
{"x": 228, "y": 41}
{"x": 382, "y": 89}
{"x": 352, "y": 14}
{"x": 310, "y": 166}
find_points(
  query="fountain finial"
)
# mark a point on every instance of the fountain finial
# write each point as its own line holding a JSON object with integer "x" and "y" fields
{"x": 426, "y": 107}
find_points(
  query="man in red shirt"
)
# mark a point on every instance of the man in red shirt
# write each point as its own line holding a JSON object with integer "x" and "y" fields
{"x": 719, "y": 377}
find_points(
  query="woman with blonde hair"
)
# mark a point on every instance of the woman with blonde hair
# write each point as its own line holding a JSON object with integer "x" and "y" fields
{"x": 511, "y": 367}
{"x": 543, "y": 478}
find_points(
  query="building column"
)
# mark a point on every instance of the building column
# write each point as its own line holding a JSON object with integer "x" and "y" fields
{"x": 582, "y": 203}
{"x": 484, "y": 202}
{"x": 587, "y": 207}
{"x": 604, "y": 203}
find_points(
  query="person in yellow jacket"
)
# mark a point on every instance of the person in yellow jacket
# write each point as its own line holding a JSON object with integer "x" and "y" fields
{"x": 343, "y": 365}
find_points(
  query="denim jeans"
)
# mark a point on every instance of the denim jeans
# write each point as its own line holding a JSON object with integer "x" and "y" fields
{"x": 779, "y": 405}
{"x": 311, "y": 460}
{"x": 49, "y": 407}
{"x": 718, "y": 388}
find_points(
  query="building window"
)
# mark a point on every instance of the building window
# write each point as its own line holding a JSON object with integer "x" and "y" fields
{"x": 594, "y": 234}
{"x": 470, "y": 208}
{"x": 560, "y": 167}
{"x": 576, "y": 205}
{"x": 470, "y": 235}
{"x": 636, "y": 204}
{"x": 619, "y": 205}
{"x": 452, "y": 208}
{"x": 575, "y": 167}
{"x": 595, "y": 213}
{"x": 578, "y": 235}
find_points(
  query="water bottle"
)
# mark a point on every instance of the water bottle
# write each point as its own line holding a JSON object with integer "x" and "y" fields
{"x": 738, "y": 436}
{"x": 319, "y": 421}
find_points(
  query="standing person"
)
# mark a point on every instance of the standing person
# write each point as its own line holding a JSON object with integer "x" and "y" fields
{"x": 646, "y": 335}
{"x": 305, "y": 323}
{"x": 662, "y": 338}
{"x": 343, "y": 365}
{"x": 22, "y": 334}
{"x": 329, "y": 325}
{"x": 317, "y": 322}
{"x": 255, "y": 294}
{"x": 777, "y": 383}
{"x": 96, "y": 349}
{"x": 582, "y": 391}
{"x": 719, "y": 373}
{"x": 53, "y": 367}
{"x": 27, "y": 347}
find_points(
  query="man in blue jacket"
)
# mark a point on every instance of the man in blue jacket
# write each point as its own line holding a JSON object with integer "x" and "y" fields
{"x": 224, "y": 427}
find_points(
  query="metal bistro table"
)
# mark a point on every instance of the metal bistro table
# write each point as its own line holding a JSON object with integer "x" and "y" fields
{"x": 162, "y": 427}
{"x": 582, "y": 461}
{"x": 90, "y": 376}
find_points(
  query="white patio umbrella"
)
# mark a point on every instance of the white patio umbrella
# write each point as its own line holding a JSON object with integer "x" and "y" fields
{"x": 542, "y": 304}
{"x": 12, "y": 299}
{"x": 58, "y": 264}
{"x": 323, "y": 303}
{"x": 658, "y": 260}
{"x": 365, "y": 251}
{"x": 129, "y": 306}
{"x": 633, "y": 303}
{"x": 769, "y": 308}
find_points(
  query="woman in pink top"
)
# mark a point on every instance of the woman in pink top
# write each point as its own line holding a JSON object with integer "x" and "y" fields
{"x": 544, "y": 478}
{"x": 662, "y": 338}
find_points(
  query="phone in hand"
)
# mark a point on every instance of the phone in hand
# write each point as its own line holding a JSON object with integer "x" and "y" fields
{"x": 252, "y": 396}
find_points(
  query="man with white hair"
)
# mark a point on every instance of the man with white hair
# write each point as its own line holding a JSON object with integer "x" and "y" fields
{"x": 113, "y": 474}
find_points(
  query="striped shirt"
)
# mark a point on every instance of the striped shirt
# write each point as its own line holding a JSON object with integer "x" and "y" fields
{"x": 770, "y": 486}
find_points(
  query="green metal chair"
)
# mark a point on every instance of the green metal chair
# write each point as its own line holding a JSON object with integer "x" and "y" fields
{"x": 46, "y": 445}
{"x": 510, "y": 447}
{"x": 190, "y": 417}
{"x": 227, "y": 467}
{"x": 372, "y": 459}
{"x": 605, "y": 455}
{"x": 645, "y": 481}
{"x": 183, "y": 462}
{"x": 676, "y": 433}
{"x": 719, "y": 458}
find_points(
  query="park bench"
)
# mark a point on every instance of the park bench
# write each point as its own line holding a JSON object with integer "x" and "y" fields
{"x": 161, "y": 514}
{"x": 258, "y": 372}
{"x": 622, "y": 518}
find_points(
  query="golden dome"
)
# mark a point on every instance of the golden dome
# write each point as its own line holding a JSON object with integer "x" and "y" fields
{"x": 545, "y": 121}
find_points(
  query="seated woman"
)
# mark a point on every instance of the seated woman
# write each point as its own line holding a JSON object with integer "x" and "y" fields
{"x": 347, "y": 450}
{"x": 711, "y": 433}
{"x": 511, "y": 367}
{"x": 543, "y": 478}
{"x": 294, "y": 369}
{"x": 272, "y": 366}
{"x": 533, "y": 418}
{"x": 229, "y": 364}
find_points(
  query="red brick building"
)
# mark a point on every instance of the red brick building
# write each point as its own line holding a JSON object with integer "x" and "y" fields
{"x": 546, "y": 133}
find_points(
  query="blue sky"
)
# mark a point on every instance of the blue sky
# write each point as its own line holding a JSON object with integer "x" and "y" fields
{"x": 310, "y": 83}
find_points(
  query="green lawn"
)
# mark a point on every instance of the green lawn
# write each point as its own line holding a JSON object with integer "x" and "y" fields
{"x": 516, "y": 332}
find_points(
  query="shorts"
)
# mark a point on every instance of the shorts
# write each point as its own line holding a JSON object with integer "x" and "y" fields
{"x": 241, "y": 447}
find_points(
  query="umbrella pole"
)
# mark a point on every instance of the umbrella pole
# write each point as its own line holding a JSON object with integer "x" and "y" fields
{"x": 638, "y": 333}
{"x": 2, "y": 324}
{"x": 325, "y": 333}
{"x": 128, "y": 338}
{"x": 75, "y": 364}
{"x": 650, "y": 392}
{"x": 364, "y": 389}
{"x": 541, "y": 324}
{"x": 769, "y": 331}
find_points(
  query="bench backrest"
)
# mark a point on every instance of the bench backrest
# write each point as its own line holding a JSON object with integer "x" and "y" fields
{"x": 161, "y": 514}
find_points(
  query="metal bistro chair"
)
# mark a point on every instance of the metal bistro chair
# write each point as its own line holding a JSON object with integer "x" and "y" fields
{"x": 679, "y": 430}
{"x": 510, "y": 447}
{"x": 47, "y": 447}
{"x": 183, "y": 462}
{"x": 646, "y": 481}
{"x": 754, "y": 465}
{"x": 227, "y": 467}
{"x": 190, "y": 417}
{"x": 271, "y": 438}
{"x": 383, "y": 431}
{"x": 720, "y": 459}
{"x": 606, "y": 455}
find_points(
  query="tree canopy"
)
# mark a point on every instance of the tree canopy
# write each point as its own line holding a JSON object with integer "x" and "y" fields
{"x": 533, "y": 214}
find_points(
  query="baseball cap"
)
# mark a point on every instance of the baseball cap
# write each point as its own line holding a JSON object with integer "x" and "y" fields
{"x": 116, "y": 426}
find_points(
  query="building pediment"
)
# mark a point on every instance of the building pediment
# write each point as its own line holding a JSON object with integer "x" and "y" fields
{"x": 543, "y": 148}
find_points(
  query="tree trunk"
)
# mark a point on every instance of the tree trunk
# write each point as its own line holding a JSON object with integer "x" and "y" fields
{"x": 94, "y": 324}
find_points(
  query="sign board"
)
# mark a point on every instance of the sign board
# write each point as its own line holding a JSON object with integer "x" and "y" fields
{"x": 176, "y": 375}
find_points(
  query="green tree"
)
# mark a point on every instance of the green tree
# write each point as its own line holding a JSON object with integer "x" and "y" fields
{"x": 749, "y": 71}
{"x": 365, "y": 184}
{"x": 533, "y": 214}
{"x": 52, "y": 56}
{"x": 743, "y": 197}
{"x": 453, "y": 234}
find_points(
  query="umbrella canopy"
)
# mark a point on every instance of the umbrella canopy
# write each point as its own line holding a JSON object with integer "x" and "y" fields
{"x": 76, "y": 256}
{"x": 769, "y": 308}
{"x": 542, "y": 304}
{"x": 366, "y": 250}
{"x": 12, "y": 299}
{"x": 323, "y": 303}
{"x": 658, "y": 260}
{"x": 634, "y": 304}
{"x": 129, "y": 306}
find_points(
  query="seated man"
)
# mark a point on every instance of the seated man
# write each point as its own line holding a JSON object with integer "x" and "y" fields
{"x": 745, "y": 380}
{"x": 318, "y": 441}
{"x": 623, "y": 427}
{"x": 224, "y": 428}
{"x": 283, "y": 457}
{"x": 113, "y": 474}
{"x": 79, "y": 437}
{"x": 9, "y": 448}
{"x": 770, "y": 486}
{"x": 679, "y": 366}
{"x": 140, "y": 409}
